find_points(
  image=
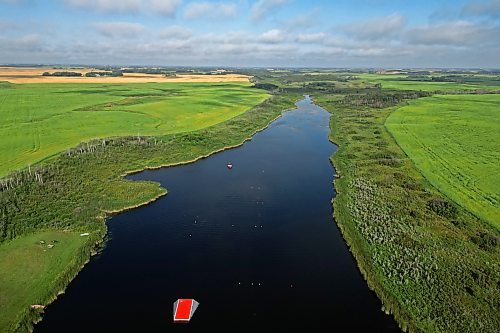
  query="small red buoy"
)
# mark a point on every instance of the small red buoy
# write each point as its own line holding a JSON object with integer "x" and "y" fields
{"x": 184, "y": 310}
{"x": 229, "y": 166}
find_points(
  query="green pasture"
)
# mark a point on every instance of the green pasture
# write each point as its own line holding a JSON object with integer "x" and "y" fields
{"x": 40, "y": 120}
{"x": 401, "y": 82}
{"x": 454, "y": 141}
{"x": 30, "y": 270}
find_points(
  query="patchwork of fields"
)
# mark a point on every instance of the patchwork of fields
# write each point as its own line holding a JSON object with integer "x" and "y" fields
{"x": 454, "y": 142}
{"x": 40, "y": 120}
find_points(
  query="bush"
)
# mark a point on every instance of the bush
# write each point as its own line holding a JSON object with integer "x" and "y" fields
{"x": 442, "y": 208}
{"x": 485, "y": 241}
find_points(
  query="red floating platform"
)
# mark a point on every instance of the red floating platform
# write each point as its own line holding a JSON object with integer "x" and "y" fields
{"x": 184, "y": 310}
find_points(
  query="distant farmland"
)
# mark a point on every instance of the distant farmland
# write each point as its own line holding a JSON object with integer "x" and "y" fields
{"x": 436, "y": 83}
{"x": 35, "y": 75}
{"x": 40, "y": 120}
{"x": 454, "y": 142}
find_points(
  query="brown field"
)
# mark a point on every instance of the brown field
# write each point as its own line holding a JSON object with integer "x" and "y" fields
{"x": 34, "y": 75}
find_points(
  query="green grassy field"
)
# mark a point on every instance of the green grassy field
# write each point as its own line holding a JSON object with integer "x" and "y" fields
{"x": 29, "y": 269}
{"x": 40, "y": 120}
{"x": 399, "y": 82}
{"x": 454, "y": 141}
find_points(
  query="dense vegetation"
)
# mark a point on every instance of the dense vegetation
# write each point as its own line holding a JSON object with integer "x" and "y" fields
{"x": 74, "y": 191}
{"x": 65, "y": 73}
{"x": 454, "y": 141}
{"x": 40, "y": 120}
{"x": 433, "y": 264}
{"x": 113, "y": 73}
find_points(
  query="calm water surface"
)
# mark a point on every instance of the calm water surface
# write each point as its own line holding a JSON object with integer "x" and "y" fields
{"x": 257, "y": 246}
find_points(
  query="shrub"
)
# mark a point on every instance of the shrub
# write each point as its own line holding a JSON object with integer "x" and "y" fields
{"x": 442, "y": 208}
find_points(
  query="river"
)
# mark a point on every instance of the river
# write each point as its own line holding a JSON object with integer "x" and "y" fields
{"x": 256, "y": 246}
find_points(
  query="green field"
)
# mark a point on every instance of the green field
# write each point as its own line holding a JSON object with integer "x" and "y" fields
{"x": 454, "y": 141}
{"x": 40, "y": 120}
{"x": 30, "y": 269}
{"x": 400, "y": 82}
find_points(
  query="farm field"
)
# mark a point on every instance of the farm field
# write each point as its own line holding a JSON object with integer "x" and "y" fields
{"x": 22, "y": 75}
{"x": 40, "y": 120}
{"x": 401, "y": 82}
{"x": 29, "y": 269}
{"x": 454, "y": 142}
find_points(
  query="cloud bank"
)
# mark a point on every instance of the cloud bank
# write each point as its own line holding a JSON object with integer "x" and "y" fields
{"x": 250, "y": 33}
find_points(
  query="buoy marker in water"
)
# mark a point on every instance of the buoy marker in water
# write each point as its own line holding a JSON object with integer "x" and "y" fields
{"x": 184, "y": 310}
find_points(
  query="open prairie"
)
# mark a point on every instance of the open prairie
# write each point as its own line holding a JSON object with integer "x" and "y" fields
{"x": 34, "y": 75}
{"x": 454, "y": 142}
{"x": 40, "y": 120}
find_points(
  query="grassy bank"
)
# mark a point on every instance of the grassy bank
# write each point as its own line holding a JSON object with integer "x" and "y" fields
{"x": 40, "y": 120}
{"x": 33, "y": 264}
{"x": 433, "y": 264}
{"x": 454, "y": 142}
{"x": 82, "y": 184}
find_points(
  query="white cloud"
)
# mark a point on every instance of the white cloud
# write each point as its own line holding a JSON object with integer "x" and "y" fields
{"x": 26, "y": 43}
{"x": 210, "y": 10}
{"x": 119, "y": 29}
{"x": 273, "y": 36}
{"x": 482, "y": 8}
{"x": 262, "y": 8}
{"x": 165, "y": 7}
{"x": 376, "y": 28}
{"x": 176, "y": 33}
{"x": 8, "y": 25}
{"x": 232, "y": 37}
{"x": 297, "y": 41}
{"x": 459, "y": 33}
{"x": 162, "y": 7}
{"x": 107, "y": 5}
{"x": 317, "y": 37}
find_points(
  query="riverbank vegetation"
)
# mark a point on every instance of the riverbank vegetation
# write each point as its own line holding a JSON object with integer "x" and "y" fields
{"x": 40, "y": 120}
{"x": 433, "y": 264}
{"x": 74, "y": 191}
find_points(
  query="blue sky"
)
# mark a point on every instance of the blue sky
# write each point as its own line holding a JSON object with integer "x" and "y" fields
{"x": 314, "y": 33}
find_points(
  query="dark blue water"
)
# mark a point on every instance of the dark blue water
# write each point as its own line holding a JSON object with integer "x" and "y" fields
{"x": 256, "y": 246}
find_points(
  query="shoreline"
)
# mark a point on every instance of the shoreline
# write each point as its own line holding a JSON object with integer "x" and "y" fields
{"x": 29, "y": 317}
